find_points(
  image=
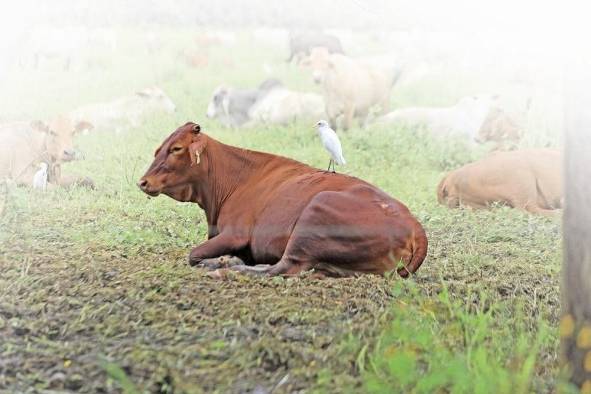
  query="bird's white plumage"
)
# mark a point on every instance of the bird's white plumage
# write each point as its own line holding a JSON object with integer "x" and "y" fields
{"x": 40, "y": 178}
{"x": 331, "y": 142}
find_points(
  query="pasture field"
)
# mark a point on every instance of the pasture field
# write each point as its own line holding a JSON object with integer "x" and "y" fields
{"x": 96, "y": 295}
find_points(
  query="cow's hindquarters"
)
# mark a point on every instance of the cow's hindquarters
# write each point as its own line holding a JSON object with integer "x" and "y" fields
{"x": 345, "y": 233}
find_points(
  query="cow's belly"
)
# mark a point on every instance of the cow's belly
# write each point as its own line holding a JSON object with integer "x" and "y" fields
{"x": 273, "y": 227}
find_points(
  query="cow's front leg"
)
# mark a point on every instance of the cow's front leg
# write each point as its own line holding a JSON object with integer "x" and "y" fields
{"x": 220, "y": 245}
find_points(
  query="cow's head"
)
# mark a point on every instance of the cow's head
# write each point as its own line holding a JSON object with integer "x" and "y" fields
{"x": 219, "y": 104}
{"x": 498, "y": 127}
{"x": 178, "y": 164}
{"x": 319, "y": 62}
{"x": 447, "y": 193}
{"x": 59, "y": 138}
{"x": 157, "y": 99}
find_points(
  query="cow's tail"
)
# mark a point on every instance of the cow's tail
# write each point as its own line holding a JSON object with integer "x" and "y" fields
{"x": 419, "y": 246}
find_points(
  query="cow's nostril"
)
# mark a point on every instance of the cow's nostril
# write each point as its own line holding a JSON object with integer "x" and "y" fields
{"x": 142, "y": 184}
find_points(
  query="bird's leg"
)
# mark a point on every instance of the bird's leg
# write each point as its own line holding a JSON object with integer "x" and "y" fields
{"x": 329, "y": 163}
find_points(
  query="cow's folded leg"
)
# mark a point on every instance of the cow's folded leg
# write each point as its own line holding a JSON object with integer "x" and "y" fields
{"x": 220, "y": 262}
{"x": 255, "y": 270}
{"x": 220, "y": 245}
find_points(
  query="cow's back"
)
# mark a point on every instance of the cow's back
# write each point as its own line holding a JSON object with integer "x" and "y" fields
{"x": 351, "y": 81}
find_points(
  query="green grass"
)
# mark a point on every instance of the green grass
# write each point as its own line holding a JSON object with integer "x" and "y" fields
{"x": 95, "y": 293}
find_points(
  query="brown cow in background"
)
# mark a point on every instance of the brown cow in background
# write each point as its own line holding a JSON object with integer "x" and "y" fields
{"x": 283, "y": 214}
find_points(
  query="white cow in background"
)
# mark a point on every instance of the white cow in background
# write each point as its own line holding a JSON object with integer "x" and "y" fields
{"x": 351, "y": 87}
{"x": 123, "y": 112}
{"x": 283, "y": 106}
{"x": 465, "y": 118}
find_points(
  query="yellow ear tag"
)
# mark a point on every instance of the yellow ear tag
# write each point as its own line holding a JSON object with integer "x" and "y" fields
{"x": 198, "y": 156}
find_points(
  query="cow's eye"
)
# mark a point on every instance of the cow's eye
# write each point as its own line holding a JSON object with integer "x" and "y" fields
{"x": 176, "y": 149}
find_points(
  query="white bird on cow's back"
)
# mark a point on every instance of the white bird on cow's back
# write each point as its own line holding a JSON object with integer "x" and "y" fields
{"x": 331, "y": 143}
{"x": 40, "y": 178}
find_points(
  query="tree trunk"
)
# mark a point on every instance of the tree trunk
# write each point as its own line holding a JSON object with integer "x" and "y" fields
{"x": 575, "y": 325}
{"x": 3, "y": 196}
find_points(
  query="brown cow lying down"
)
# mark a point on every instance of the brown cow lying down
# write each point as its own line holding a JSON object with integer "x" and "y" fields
{"x": 527, "y": 179}
{"x": 282, "y": 214}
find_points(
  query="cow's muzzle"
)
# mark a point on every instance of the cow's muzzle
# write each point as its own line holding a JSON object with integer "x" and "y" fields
{"x": 69, "y": 155}
{"x": 145, "y": 186}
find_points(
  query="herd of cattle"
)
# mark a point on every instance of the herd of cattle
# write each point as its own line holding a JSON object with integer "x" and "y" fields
{"x": 352, "y": 89}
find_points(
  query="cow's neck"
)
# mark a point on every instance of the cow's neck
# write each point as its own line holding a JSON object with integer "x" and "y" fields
{"x": 227, "y": 168}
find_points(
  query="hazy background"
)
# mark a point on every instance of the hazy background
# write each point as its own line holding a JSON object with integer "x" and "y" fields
{"x": 514, "y": 49}
{"x": 95, "y": 280}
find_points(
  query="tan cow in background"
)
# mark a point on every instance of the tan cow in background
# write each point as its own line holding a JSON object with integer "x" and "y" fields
{"x": 26, "y": 144}
{"x": 351, "y": 87}
{"x": 530, "y": 180}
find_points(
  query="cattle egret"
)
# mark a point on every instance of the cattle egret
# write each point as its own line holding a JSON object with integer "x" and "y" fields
{"x": 40, "y": 178}
{"x": 331, "y": 143}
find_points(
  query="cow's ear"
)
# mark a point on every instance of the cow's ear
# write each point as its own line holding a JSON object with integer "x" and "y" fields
{"x": 196, "y": 149}
{"x": 83, "y": 126}
{"x": 196, "y": 128}
{"x": 143, "y": 93}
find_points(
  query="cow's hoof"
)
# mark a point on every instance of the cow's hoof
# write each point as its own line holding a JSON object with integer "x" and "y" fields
{"x": 231, "y": 261}
{"x": 218, "y": 262}
{"x": 194, "y": 261}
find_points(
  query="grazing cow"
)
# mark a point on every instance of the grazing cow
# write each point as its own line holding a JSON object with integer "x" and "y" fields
{"x": 283, "y": 214}
{"x": 125, "y": 111}
{"x": 351, "y": 88}
{"x": 27, "y": 144}
{"x": 301, "y": 45}
{"x": 465, "y": 118}
{"x": 530, "y": 180}
{"x": 283, "y": 106}
{"x": 232, "y": 106}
